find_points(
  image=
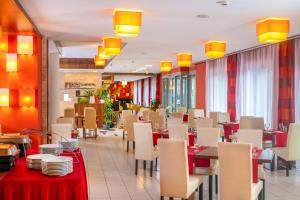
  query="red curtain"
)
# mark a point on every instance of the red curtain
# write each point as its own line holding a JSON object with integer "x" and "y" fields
{"x": 231, "y": 94}
{"x": 158, "y": 88}
{"x": 286, "y": 98}
{"x": 142, "y": 93}
{"x": 149, "y": 90}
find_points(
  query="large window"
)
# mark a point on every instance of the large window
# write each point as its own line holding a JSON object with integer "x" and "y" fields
{"x": 184, "y": 91}
{"x": 178, "y": 92}
{"x": 165, "y": 96}
{"x": 146, "y": 92}
{"x": 153, "y": 88}
{"x": 192, "y": 92}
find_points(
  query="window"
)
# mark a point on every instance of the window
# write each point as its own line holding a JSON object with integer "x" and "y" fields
{"x": 192, "y": 92}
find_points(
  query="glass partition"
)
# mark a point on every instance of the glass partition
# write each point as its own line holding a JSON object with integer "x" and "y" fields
{"x": 192, "y": 92}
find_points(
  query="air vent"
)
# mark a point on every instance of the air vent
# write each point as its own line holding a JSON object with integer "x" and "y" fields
{"x": 223, "y": 2}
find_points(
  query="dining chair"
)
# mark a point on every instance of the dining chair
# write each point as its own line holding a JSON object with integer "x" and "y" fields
{"x": 152, "y": 115}
{"x": 144, "y": 148}
{"x": 90, "y": 121}
{"x": 292, "y": 151}
{"x": 253, "y": 137}
{"x": 215, "y": 118}
{"x": 236, "y": 180}
{"x": 199, "y": 113}
{"x": 162, "y": 111}
{"x": 158, "y": 122}
{"x": 59, "y": 131}
{"x": 141, "y": 110}
{"x": 258, "y": 123}
{"x": 177, "y": 115}
{"x": 175, "y": 181}
{"x": 128, "y": 128}
{"x": 69, "y": 112}
{"x": 191, "y": 119}
{"x": 173, "y": 120}
{"x": 146, "y": 115}
{"x": 123, "y": 114}
{"x": 179, "y": 132}
{"x": 208, "y": 137}
{"x": 204, "y": 123}
{"x": 181, "y": 110}
{"x": 246, "y": 122}
{"x": 223, "y": 117}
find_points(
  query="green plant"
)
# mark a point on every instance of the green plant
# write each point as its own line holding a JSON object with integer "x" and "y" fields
{"x": 83, "y": 100}
{"x": 89, "y": 93}
{"x": 104, "y": 93}
{"x": 154, "y": 104}
{"x": 108, "y": 115}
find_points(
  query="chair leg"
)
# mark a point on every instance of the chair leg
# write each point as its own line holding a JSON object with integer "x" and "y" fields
{"x": 84, "y": 133}
{"x": 127, "y": 145}
{"x": 133, "y": 145}
{"x": 210, "y": 188}
{"x": 144, "y": 164}
{"x": 287, "y": 168}
{"x": 151, "y": 168}
{"x": 161, "y": 198}
{"x": 136, "y": 166}
{"x": 216, "y": 183}
{"x": 156, "y": 163}
{"x": 201, "y": 191}
{"x": 123, "y": 134}
{"x": 264, "y": 189}
{"x": 95, "y": 133}
{"x": 171, "y": 198}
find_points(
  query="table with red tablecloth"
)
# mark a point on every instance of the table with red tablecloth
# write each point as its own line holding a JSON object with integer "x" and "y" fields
{"x": 280, "y": 137}
{"x": 165, "y": 134}
{"x": 229, "y": 129}
{"x": 26, "y": 184}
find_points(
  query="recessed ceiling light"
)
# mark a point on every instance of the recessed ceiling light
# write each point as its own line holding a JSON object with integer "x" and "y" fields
{"x": 202, "y": 16}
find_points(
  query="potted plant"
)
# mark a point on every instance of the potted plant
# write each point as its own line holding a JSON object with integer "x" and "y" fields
{"x": 108, "y": 115}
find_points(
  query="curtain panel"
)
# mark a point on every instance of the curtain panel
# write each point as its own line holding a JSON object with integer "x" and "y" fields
{"x": 139, "y": 92}
{"x": 216, "y": 85}
{"x": 297, "y": 80}
{"x": 231, "y": 87}
{"x": 135, "y": 92}
{"x": 257, "y": 84}
{"x": 153, "y": 87}
{"x": 146, "y": 92}
{"x": 286, "y": 97}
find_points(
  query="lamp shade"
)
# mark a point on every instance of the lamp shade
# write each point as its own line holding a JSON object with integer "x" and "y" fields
{"x": 99, "y": 61}
{"x": 127, "y": 22}
{"x": 27, "y": 97}
{"x": 4, "y": 97}
{"x": 3, "y": 43}
{"x": 165, "y": 66}
{"x": 184, "y": 59}
{"x": 102, "y": 54}
{"x": 215, "y": 49}
{"x": 272, "y": 30}
{"x": 25, "y": 44}
{"x": 11, "y": 62}
{"x": 112, "y": 45}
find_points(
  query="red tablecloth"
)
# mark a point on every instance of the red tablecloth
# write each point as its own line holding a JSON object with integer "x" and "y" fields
{"x": 25, "y": 184}
{"x": 230, "y": 128}
{"x": 185, "y": 118}
{"x": 255, "y": 155}
{"x": 197, "y": 162}
{"x": 164, "y": 134}
{"x": 281, "y": 138}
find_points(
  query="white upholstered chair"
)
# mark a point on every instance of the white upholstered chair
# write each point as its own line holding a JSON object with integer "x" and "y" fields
{"x": 191, "y": 119}
{"x": 173, "y": 120}
{"x": 292, "y": 151}
{"x": 177, "y": 115}
{"x": 175, "y": 181}
{"x": 236, "y": 180}
{"x": 181, "y": 110}
{"x": 90, "y": 122}
{"x": 204, "y": 123}
{"x": 199, "y": 113}
{"x": 179, "y": 132}
{"x": 128, "y": 128}
{"x": 123, "y": 114}
{"x": 144, "y": 149}
{"x": 158, "y": 122}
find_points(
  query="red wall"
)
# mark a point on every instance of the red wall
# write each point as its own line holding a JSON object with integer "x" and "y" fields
{"x": 14, "y": 118}
{"x": 200, "y": 85}
{"x": 122, "y": 92}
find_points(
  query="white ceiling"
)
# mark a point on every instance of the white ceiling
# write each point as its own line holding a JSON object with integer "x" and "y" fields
{"x": 169, "y": 26}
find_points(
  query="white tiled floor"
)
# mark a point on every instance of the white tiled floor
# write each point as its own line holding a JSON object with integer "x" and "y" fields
{"x": 110, "y": 171}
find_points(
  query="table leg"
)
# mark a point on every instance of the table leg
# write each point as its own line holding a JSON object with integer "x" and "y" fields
{"x": 210, "y": 187}
{"x": 273, "y": 140}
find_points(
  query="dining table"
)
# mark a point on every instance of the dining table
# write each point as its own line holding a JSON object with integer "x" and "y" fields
{"x": 28, "y": 184}
{"x": 211, "y": 153}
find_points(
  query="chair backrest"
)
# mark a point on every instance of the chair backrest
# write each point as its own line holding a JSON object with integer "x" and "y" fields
{"x": 177, "y": 115}
{"x": 191, "y": 119}
{"x": 235, "y": 171}
{"x": 204, "y": 123}
{"x": 90, "y": 118}
{"x": 223, "y": 117}
{"x": 146, "y": 115}
{"x": 174, "y": 175}
{"x": 179, "y": 132}
{"x": 198, "y": 113}
{"x": 128, "y": 126}
{"x": 250, "y": 136}
{"x": 69, "y": 112}
{"x": 208, "y": 136}
{"x": 65, "y": 120}
{"x": 126, "y": 112}
{"x": 158, "y": 122}
{"x": 215, "y": 117}
{"x": 293, "y": 142}
{"x": 181, "y": 110}
{"x": 142, "y": 109}
{"x": 143, "y": 141}
{"x": 173, "y": 121}
{"x": 250, "y": 122}
{"x": 258, "y": 123}
{"x": 58, "y": 130}
{"x": 152, "y": 115}
{"x": 161, "y": 111}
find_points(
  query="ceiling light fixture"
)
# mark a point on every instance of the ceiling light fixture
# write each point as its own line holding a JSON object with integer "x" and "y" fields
{"x": 102, "y": 54}
{"x": 112, "y": 45}
{"x": 127, "y": 22}
{"x": 271, "y": 30}
{"x": 99, "y": 62}
{"x": 184, "y": 59}
{"x": 165, "y": 65}
{"x": 215, "y": 49}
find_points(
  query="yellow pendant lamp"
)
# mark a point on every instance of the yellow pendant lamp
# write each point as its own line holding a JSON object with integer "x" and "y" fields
{"x": 112, "y": 45}
{"x": 99, "y": 62}
{"x": 102, "y": 54}
{"x": 165, "y": 66}
{"x": 215, "y": 49}
{"x": 127, "y": 22}
{"x": 184, "y": 59}
{"x": 271, "y": 30}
